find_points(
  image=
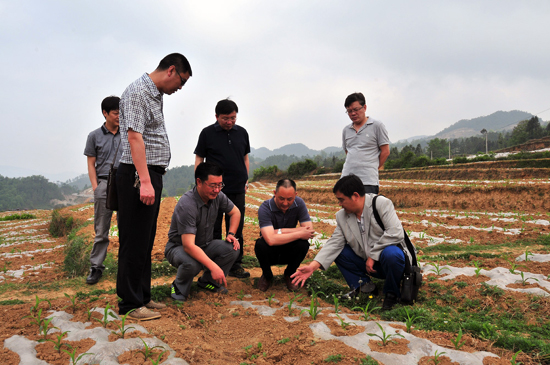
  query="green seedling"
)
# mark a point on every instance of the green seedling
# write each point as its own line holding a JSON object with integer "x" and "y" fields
{"x": 336, "y": 304}
{"x": 74, "y": 305}
{"x": 457, "y": 342}
{"x": 105, "y": 320}
{"x": 471, "y": 239}
{"x": 323, "y": 235}
{"x": 333, "y": 358}
{"x": 436, "y": 358}
{"x": 89, "y": 311}
{"x": 122, "y": 326}
{"x": 513, "y": 360}
{"x": 314, "y": 305}
{"x": 343, "y": 323}
{"x": 386, "y": 337}
{"x": 157, "y": 361}
{"x": 36, "y": 318}
{"x": 270, "y": 299}
{"x": 284, "y": 340}
{"x": 317, "y": 244}
{"x": 527, "y": 254}
{"x": 478, "y": 268}
{"x": 291, "y": 301}
{"x": 240, "y": 296}
{"x": 367, "y": 311}
{"x": 147, "y": 351}
{"x": 34, "y": 308}
{"x": 72, "y": 355}
{"x": 45, "y": 328}
{"x": 57, "y": 344}
{"x": 513, "y": 267}
{"x": 524, "y": 279}
{"x": 410, "y": 320}
{"x": 437, "y": 269}
{"x": 246, "y": 348}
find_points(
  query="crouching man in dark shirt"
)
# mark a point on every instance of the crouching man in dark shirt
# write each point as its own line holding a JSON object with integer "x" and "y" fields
{"x": 281, "y": 242}
{"x": 190, "y": 247}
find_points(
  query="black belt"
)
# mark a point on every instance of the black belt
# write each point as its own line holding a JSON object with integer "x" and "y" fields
{"x": 103, "y": 177}
{"x": 158, "y": 169}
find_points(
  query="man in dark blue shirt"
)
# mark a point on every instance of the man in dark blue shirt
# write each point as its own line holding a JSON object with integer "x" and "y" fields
{"x": 227, "y": 145}
{"x": 281, "y": 242}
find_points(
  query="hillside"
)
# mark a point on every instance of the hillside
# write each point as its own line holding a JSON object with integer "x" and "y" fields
{"x": 296, "y": 149}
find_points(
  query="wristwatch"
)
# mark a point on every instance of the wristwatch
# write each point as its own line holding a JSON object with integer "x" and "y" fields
{"x": 231, "y": 233}
{"x": 279, "y": 231}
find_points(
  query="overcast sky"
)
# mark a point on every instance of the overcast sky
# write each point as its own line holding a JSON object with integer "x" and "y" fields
{"x": 289, "y": 65}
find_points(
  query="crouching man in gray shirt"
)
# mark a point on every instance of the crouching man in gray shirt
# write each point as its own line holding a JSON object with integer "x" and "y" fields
{"x": 190, "y": 247}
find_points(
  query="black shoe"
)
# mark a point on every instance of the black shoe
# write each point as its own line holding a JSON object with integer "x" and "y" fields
{"x": 212, "y": 288}
{"x": 239, "y": 273}
{"x": 176, "y": 294}
{"x": 95, "y": 275}
{"x": 389, "y": 301}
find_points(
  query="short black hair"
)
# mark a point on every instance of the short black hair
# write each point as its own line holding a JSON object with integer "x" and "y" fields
{"x": 226, "y": 106}
{"x": 285, "y": 183}
{"x": 205, "y": 169}
{"x": 110, "y": 103}
{"x": 348, "y": 185}
{"x": 175, "y": 59}
{"x": 353, "y": 98}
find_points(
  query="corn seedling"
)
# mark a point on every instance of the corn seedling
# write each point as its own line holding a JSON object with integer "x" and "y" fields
{"x": 72, "y": 355}
{"x": 478, "y": 268}
{"x": 240, "y": 296}
{"x": 343, "y": 323}
{"x": 386, "y": 337}
{"x": 438, "y": 269}
{"x": 122, "y": 326}
{"x": 89, "y": 311}
{"x": 147, "y": 351}
{"x": 336, "y": 304}
{"x": 34, "y": 308}
{"x": 105, "y": 320}
{"x": 367, "y": 311}
{"x": 410, "y": 320}
{"x": 457, "y": 342}
{"x": 57, "y": 344}
{"x": 291, "y": 301}
{"x": 270, "y": 299}
{"x": 157, "y": 361}
{"x": 524, "y": 279}
{"x": 527, "y": 254}
{"x": 436, "y": 358}
{"x": 36, "y": 318}
{"x": 45, "y": 328}
{"x": 314, "y": 305}
{"x": 74, "y": 305}
{"x": 513, "y": 360}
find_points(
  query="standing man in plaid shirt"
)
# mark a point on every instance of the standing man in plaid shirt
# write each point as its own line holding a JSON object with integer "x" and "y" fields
{"x": 145, "y": 157}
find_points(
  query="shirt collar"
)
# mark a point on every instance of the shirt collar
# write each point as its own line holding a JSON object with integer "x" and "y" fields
{"x": 198, "y": 198}
{"x": 274, "y": 208}
{"x": 218, "y": 128}
{"x": 150, "y": 85}
{"x": 369, "y": 121}
{"x": 106, "y": 131}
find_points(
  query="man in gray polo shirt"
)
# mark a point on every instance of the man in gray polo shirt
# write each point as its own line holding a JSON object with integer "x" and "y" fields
{"x": 191, "y": 247}
{"x": 365, "y": 142}
{"x": 101, "y": 147}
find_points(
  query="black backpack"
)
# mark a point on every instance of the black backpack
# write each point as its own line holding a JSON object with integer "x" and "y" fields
{"x": 412, "y": 277}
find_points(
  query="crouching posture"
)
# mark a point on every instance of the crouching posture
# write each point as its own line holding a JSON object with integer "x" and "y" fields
{"x": 281, "y": 242}
{"x": 190, "y": 247}
{"x": 359, "y": 246}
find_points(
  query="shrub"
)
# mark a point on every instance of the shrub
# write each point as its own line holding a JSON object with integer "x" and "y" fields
{"x": 61, "y": 225}
{"x": 460, "y": 159}
{"x": 265, "y": 172}
{"x": 77, "y": 254}
{"x": 338, "y": 166}
{"x": 13, "y": 217}
{"x": 297, "y": 169}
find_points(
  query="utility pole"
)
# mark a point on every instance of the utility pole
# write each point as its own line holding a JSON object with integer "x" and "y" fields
{"x": 449, "y": 149}
{"x": 484, "y": 131}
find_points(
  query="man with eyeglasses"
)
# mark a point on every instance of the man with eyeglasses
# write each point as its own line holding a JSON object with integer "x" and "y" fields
{"x": 365, "y": 142}
{"x": 191, "y": 246}
{"x": 145, "y": 157}
{"x": 226, "y": 144}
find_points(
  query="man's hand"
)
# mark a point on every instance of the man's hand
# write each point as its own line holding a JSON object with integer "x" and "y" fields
{"x": 302, "y": 274}
{"x": 147, "y": 193}
{"x": 307, "y": 233}
{"x": 232, "y": 239}
{"x": 370, "y": 266}
{"x": 218, "y": 276}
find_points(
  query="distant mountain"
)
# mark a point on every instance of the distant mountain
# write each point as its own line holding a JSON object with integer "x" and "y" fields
{"x": 410, "y": 139}
{"x": 496, "y": 122}
{"x": 296, "y": 149}
{"x": 12, "y": 171}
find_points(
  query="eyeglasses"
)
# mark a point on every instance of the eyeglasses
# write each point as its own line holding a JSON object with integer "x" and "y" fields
{"x": 228, "y": 119}
{"x": 351, "y": 111}
{"x": 183, "y": 81}
{"x": 216, "y": 186}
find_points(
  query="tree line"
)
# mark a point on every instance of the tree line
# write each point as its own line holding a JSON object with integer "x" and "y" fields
{"x": 33, "y": 192}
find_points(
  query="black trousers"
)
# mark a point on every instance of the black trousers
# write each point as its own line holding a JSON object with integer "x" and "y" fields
{"x": 371, "y": 189}
{"x": 239, "y": 201}
{"x": 292, "y": 254}
{"x": 137, "y": 227}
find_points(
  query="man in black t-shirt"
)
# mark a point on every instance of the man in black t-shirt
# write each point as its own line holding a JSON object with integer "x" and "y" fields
{"x": 227, "y": 145}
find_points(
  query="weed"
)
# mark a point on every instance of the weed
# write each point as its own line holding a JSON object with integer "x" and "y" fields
{"x": 333, "y": 358}
{"x": 368, "y": 361}
{"x": 456, "y": 342}
{"x": 235, "y": 314}
{"x": 367, "y": 311}
{"x": 314, "y": 305}
{"x": 436, "y": 358}
{"x": 147, "y": 351}
{"x": 386, "y": 337}
{"x": 284, "y": 340}
{"x": 122, "y": 326}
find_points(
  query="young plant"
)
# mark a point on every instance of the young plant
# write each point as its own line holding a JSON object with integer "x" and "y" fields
{"x": 89, "y": 311}
{"x": 527, "y": 254}
{"x": 122, "y": 326}
{"x": 105, "y": 320}
{"x": 36, "y": 318}
{"x": 513, "y": 360}
{"x": 270, "y": 299}
{"x": 72, "y": 355}
{"x": 457, "y": 342}
{"x": 314, "y": 305}
{"x": 437, "y": 269}
{"x": 34, "y": 308}
{"x": 478, "y": 268}
{"x": 367, "y": 311}
{"x": 57, "y": 344}
{"x": 524, "y": 279}
{"x": 410, "y": 320}
{"x": 147, "y": 351}
{"x": 240, "y": 296}
{"x": 336, "y": 304}
{"x": 386, "y": 337}
{"x": 45, "y": 328}
{"x": 343, "y": 323}
{"x": 436, "y": 358}
{"x": 74, "y": 305}
{"x": 291, "y": 301}
{"x": 157, "y": 361}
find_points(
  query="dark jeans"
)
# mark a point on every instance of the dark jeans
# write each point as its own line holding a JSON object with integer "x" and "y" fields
{"x": 137, "y": 226}
{"x": 292, "y": 254}
{"x": 239, "y": 201}
{"x": 371, "y": 189}
{"x": 390, "y": 267}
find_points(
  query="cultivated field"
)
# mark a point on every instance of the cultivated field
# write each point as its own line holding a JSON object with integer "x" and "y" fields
{"x": 484, "y": 246}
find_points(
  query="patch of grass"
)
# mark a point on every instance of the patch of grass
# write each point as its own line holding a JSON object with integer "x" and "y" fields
{"x": 160, "y": 269}
{"x": 77, "y": 255}
{"x": 16, "y": 216}
{"x": 61, "y": 225}
{"x": 250, "y": 262}
{"x": 11, "y": 302}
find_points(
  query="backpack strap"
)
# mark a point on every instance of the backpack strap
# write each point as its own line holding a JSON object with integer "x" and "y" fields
{"x": 375, "y": 212}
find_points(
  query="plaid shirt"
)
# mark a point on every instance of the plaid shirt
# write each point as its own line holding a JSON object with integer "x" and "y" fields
{"x": 141, "y": 111}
